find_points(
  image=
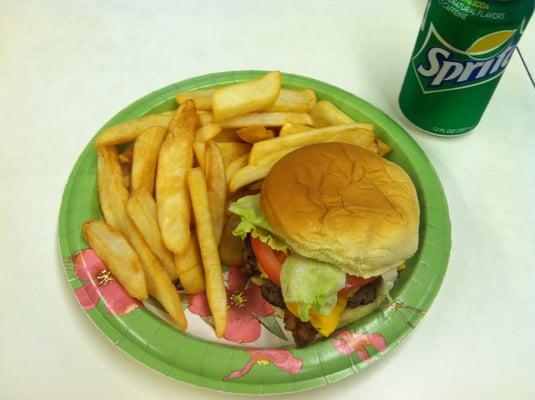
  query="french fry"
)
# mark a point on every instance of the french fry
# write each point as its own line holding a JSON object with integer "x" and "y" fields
{"x": 125, "y": 159}
{"x": 199, "y": 148}
{"x": 274, "y": 119}
{"x": 130, "y": 130}
{"x": 288, "y": 129}
{"x": 158, "y": 282}
{"x": 205, "y": 117}
{"x": 235, "y": 165}
{"x": 188, "y": 267}
{"x": 325, "y": 113}
{"x": 227, "y": 135}
{"x": 126, "y": 156}
{"x": 271, "y": 158}
{"x": 382, "y": 148}
{"x": 112, "y": 247}
{"x": 202, "y": 98}
{"x": 250, "y": 174}
{"x": 172, "y": 200}
{"x": 231, "y": 246}
{"x": 288, "y": 100}
{"x": 246, "y": 97}
{"x": 229, "y": 150}
{"x": 112, "y": 190}
{"x": 358, "y": 134}
{"x": 217, "y": 187}
{"x": 293, "y": 101}
{"x": 145, "y": 157}
{"x": 141, "y": 209}
{"x": 215, "y": 288}
{"x": 255, "y": 133}
{"x": 193, "y": 280}
{"x": 207, "y": 132}
{"x": 113, "y": 198}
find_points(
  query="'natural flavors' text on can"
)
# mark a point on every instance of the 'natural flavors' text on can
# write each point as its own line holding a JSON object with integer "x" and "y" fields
{"x": 461, "y": 51}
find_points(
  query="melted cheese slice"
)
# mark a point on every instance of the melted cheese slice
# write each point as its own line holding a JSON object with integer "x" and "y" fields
{"x": 325, "y": 324}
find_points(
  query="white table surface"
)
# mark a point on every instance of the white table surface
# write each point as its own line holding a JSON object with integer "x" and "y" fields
{"x": 67, "y": 66}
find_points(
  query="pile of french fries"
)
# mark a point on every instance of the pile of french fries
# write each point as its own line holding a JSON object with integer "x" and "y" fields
{"x": 165, "y": 199}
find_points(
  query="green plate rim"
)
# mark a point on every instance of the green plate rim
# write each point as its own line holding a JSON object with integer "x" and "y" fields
{"x": 148, "y": 339}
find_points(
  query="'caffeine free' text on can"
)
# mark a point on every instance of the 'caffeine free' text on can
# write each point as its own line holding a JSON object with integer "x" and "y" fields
{"x": 461, "y": 51}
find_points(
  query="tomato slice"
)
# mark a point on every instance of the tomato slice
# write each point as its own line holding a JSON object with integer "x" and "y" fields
{"x": 270, "y": 261}
{"x": 354, "y": 282}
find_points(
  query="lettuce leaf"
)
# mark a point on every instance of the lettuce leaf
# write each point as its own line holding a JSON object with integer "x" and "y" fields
{"x": 253, "y": 221}
{"x": 309, "y": 283}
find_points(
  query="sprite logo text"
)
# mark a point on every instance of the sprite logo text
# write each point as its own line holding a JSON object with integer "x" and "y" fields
{"x": 440, "y": 66}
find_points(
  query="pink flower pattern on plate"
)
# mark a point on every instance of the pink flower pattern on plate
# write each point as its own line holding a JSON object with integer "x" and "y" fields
{"x": 100, "y": 284}
{"x": 245, "y": 303}
{"x": 282, "y": 359}
{"x": 346, "y": 343}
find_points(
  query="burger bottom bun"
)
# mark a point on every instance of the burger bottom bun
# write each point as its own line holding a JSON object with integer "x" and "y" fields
{"x": 351, "y": 315}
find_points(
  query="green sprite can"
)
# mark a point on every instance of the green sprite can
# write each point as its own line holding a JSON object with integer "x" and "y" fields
{"x": 462, "y": 49}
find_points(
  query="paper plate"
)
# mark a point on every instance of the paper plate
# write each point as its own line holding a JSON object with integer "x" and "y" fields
{"x": 262, "y": 367}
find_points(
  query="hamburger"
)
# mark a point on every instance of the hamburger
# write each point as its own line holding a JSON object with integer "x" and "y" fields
{"x": 326, "y": 235}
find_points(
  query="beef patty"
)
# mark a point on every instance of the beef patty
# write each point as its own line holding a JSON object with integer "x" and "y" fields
{"x": 249, "y": 266}
{"x": 302, "y": 332}
{"x": 364, "y": 295}
{"x": 273, "y": 294}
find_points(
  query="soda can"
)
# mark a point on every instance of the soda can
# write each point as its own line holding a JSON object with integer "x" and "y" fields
{"x": 461, "y": 52}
